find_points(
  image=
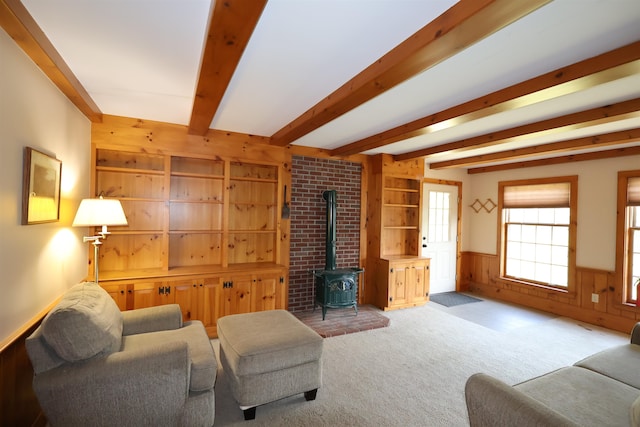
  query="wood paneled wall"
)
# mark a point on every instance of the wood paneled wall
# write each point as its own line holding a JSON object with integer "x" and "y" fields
{"x": 18, "y": 403}
{"x": 481, "y": 275}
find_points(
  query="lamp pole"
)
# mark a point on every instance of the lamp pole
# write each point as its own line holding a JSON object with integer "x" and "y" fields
{"x": 95, "y": 241}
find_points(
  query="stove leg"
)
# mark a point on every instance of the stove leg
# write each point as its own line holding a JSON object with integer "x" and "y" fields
{"x": 310, "y": 395}
{"x": 324, "y": 311}
{"x": 355, "y": 307}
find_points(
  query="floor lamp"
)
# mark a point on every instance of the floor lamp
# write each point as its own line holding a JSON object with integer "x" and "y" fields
{"x": 99, "y": 213}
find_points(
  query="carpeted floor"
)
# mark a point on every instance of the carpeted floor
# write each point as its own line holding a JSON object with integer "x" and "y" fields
{"x": 451, "y": 299}
{"x": 344, "y": 320}
{"x": 413, "y": 372}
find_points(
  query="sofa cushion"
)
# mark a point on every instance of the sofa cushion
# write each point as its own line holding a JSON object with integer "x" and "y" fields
{"x": 620, "y": 363}
{"x": 86, "y": 322}
{"x": 634, "y": 413}
{"x": 585, "y": 397}
{"x": 204, "y": 366}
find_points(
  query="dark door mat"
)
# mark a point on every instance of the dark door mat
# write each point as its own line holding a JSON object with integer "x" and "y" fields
{"x": 342, "y": 321}
{"x": 450, "y": 299}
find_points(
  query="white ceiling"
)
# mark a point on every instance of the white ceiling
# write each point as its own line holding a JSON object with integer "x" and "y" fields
{"x": 140, "y": 58}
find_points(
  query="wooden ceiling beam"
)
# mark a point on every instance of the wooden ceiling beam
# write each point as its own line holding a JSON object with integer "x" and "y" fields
{"x": 597, "y": 70}
{"x": 595, "y": 116}
{"x": 464, "y": 24}
{"x": 596, "y": 155}
{"x": 587, "y": 142}
{"x": 231, "y": 23}
{"x": 23, "y": 29}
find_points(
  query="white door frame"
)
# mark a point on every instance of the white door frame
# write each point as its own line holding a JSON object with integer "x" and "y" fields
{"x": 458, "y": 225}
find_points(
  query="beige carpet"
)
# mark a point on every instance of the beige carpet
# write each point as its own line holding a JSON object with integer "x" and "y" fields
{"x": 413, "y": 372}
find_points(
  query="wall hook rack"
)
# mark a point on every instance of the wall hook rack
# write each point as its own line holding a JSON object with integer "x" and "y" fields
{"x": 489, "y": 205}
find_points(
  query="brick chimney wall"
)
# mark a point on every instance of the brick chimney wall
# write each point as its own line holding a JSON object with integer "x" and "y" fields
{"x": 311, "y": 176}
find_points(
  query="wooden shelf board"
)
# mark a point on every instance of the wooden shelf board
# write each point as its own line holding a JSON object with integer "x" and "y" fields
{"x": 137, "y": 199}
{"x": 211, "y": 202}
{"x": 242, "y": 178}
{"x": 404, "y": 190}
{"x": 195, "y": 231}
{"x": 213, "y": 269}
{"x": 196, "y": 175}
{"x": 129, "y": 170}
{"x": 404, "y": 258}
{"x": 399, "y": 205}
{"x": 135, "y": 232}
{"x": 252, "y": 231}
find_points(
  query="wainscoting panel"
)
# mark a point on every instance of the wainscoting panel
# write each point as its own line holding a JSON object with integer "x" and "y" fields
{"x": 18, "y": 403}
{"x": 481, "y": 275}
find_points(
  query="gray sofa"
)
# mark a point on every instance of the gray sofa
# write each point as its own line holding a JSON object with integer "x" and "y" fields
{"x": 601, "y": 390}
{"x": 96, "y": 366}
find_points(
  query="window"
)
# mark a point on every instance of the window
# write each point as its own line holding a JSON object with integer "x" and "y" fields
{"x": 438, "y": 230}
{"x": 631, "y": 240}
{"x": 538, "y": 231}
{"x": 634, "y": 250}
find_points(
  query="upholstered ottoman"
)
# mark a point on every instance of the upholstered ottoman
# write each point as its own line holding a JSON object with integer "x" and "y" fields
{"x": 269, "y": 355}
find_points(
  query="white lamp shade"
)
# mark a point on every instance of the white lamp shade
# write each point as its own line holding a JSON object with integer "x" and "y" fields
{"x": 98, "y": 212}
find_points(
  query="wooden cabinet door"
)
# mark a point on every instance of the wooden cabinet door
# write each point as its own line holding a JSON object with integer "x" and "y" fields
{"x": 418, "y": 283}
{"x": 118, "y": 293}
{"x": 236, "y": 292}
{"x": 184, "y": 294}
{"x": 264, "y": 291}
{"x": 398, "y": 286}
{"x": 149, "y": 294}
{"x": 209, "y": 296}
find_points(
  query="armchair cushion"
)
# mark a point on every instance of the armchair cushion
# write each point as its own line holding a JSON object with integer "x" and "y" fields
{"x": 203, "y": 365}
{"x": 86, "y": 322}
{"x": 143, "y": 387}
{"x": 151, "y": 319}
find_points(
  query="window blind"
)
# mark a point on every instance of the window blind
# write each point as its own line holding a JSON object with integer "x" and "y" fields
{"x": 633, "y": 191}
{"x": 555, "y": 195}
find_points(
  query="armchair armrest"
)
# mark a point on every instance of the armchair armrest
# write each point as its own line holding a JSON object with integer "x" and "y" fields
{"x": 491, "y": 402}
{"x": 151, "y": 319}
{"x": 146, "y": 386}
{"x": 635, "y": 334}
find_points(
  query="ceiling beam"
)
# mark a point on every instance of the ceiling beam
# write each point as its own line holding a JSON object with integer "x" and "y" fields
{"x": 596, "y": 155}
{"x": 597, "y": 70}
{"x": 23, "y": 29}
{"x": 595, "y": 116}
{"x": 587, "y": 142}
{"x": 231, "y": 23}
{"x": 464, "y": 24}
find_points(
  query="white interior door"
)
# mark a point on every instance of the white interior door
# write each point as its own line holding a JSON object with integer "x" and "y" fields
{"x": 439, "y": 233}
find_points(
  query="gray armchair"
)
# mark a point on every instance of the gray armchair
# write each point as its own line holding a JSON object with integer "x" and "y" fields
{"x": 94, "y": 365}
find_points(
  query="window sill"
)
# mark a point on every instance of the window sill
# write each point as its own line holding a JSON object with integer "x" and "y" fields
{"x": 511, "y": 281}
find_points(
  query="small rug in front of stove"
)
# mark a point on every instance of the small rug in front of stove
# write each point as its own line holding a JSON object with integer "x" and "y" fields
{"x": 342, "y": 321}
{"x": 451, "y": 299}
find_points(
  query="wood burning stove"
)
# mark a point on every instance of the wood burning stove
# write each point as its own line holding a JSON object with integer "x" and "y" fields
{"x": 335, "y": 287}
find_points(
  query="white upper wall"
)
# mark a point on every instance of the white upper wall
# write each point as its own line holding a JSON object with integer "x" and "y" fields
{"x": 597, "y": 188}
{"x": 37, "y": 262}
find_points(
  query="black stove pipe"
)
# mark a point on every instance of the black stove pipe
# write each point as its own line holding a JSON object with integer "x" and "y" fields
{"x": 330, "y": 256}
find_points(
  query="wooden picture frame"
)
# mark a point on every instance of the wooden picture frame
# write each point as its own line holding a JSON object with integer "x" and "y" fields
{"x": 40, "y": 187}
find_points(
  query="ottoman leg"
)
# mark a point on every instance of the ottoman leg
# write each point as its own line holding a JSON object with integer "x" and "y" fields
{"x": 249, "y": 414}
{"x": 310, "y": 395}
